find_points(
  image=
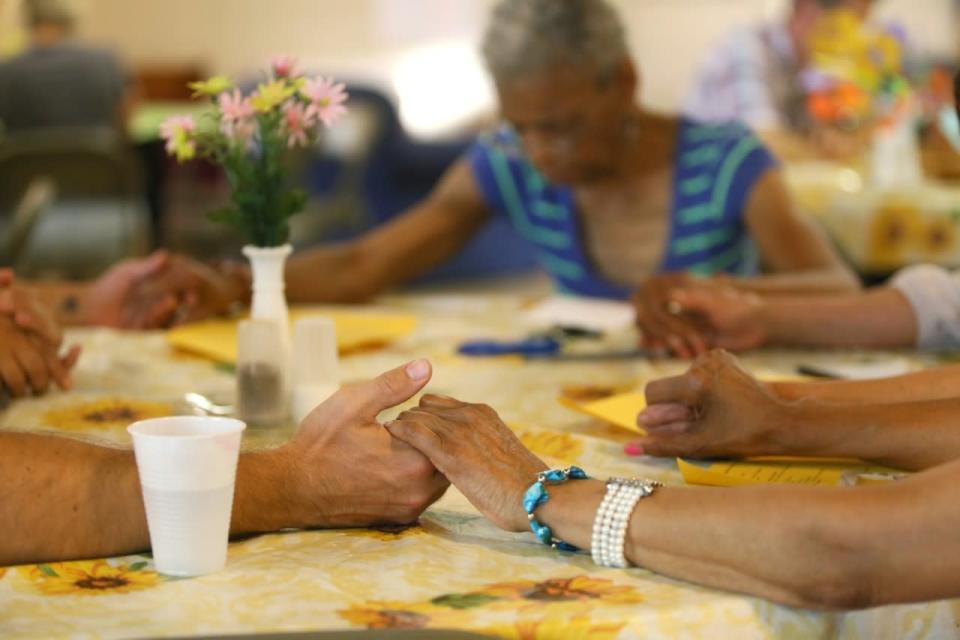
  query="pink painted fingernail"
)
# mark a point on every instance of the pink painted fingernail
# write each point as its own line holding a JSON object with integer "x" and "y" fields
{"x": 633, "y": 449}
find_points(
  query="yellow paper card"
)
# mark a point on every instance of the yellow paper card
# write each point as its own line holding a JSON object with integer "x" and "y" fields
{"x": 217, "y": 339}
{"x": 803, "y": 471}
{"x": 620, "y": 409}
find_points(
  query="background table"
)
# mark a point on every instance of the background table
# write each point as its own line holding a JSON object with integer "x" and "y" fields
{"x": 455, "y": 570}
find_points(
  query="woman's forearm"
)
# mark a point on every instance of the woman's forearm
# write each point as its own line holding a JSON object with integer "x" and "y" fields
{"x": 930, "y": 384}
{"x": 800, "y": 546}
{"x": 878, "y": 319}
{"x": 827, "y": 280}
{"x": 910, "y": 435}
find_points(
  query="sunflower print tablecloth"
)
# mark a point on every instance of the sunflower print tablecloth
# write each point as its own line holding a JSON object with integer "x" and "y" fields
{"x": 880, "y": 231}
{"x": 454, "y": 570}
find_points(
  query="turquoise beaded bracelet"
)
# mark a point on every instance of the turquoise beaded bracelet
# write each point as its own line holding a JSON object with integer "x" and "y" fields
{"x": 537, "y": 495}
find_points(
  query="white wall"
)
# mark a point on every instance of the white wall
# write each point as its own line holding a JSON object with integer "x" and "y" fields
{"x": 428, "y": 46}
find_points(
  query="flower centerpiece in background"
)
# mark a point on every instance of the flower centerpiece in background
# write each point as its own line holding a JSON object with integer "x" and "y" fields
{"x": 855, "y": 82}
{"x": 251, "y": 137}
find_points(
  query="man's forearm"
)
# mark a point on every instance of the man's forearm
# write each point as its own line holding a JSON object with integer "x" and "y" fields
{"x": 64, "y": 499}
{"x": 878, "y": 319}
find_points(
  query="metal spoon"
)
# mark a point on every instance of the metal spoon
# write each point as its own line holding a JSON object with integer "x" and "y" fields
{"x": 203, "y": 403}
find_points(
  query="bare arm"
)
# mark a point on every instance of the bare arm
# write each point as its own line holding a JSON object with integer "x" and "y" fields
{"x": 800, "y": 546}
{"x": 938, "y": 383}
{"x": 396, "y": 252}
{"x": 729, "y": 318}
{"x": 309, "y": 482}
{"x": 718, "y": 410}
{"x": 793, "y": 249}
{"x": 100, "y": 505}
{"x": 878, "y": 319}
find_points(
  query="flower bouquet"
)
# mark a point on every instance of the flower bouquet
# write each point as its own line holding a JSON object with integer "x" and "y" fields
{"x": 251, "y": 137}
{"x": 856, "y": 84}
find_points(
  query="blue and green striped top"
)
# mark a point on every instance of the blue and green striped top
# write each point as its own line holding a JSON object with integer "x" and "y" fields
{"x": 716, "y": 168}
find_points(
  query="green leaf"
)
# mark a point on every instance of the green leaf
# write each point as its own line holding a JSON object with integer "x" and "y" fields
{"x": 462, "y": 601}
{"x": 48, "y": 570}
{"x": 227, "y": 215}
{"x": 137, "y": 566}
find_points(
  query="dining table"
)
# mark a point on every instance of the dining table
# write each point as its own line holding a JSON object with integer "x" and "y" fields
{"x": 452, "y": 570}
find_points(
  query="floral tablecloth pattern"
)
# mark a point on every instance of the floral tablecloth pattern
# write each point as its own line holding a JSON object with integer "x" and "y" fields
{"x": 881, "y": 230}
{"x": 453, "y": 570}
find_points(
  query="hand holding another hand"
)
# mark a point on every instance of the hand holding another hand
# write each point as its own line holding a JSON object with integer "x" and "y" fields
{"x": 347, "y": 470}
{"x": 475, "y": 450}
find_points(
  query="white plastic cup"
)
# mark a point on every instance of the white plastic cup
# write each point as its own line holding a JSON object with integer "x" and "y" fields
{"x": 316, "y": 365}
{"x": 188, "y": 468}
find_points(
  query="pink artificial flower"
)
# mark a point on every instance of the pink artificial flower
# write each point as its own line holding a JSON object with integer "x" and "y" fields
{"x": 297, "y": 120}
{"x": 237, "y": 116}
{"x": 234, "y": 107}
{"x": 176, "y": 130}
{"x": 242, "y": 131}
{"x": 326, "y": 99}
{"x": 284, "y": 66}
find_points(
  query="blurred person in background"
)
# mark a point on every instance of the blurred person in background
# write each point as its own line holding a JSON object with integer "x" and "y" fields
{"x": 615, "y": 200}
{"x": 32, "y": 314}
{"x": 919, "y": 308}
{"x": 57, "y": 82}
{"x": 754, "y": 77}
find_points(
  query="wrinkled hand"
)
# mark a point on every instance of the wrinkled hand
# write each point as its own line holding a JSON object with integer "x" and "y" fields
{"x": 662, "y": 325}
{"x": 348, "y": 469}
{"x": 198, "y": 291}
{"x": 728, "y": 318}
{"x": 714, "y": 410}
{"x": 157, "y": 292}
{"x": 27, "y": 311}
{"x": 475, "y": 450}
{"x": 111, "y": 300}
{"x": 29, "y": 363}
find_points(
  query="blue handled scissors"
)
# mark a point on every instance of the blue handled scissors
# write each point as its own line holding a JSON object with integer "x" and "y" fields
{"x": 533, "y": 346}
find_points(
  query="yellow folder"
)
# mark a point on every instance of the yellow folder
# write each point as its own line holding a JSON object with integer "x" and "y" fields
{"x": 813, "y": 472}
{"x": 356, "y": 331}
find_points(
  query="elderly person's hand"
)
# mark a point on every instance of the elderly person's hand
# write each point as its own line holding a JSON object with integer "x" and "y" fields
{"x": 714, "y": 410}
{"x": 728, "y": 318}
{"x": 29, "y": 362}
{"x": 662, "y": 324}
{"x": 113, "y": 301}
{"x": 475, "y": 450}
{"x": 27, "y": 311}
{"x": 346, "y": 470}
{"x": 198, "y": 290}
{"x": 159, "y": 291}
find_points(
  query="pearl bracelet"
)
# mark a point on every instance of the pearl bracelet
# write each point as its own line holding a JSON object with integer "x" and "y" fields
{"x": 613, "y": 517}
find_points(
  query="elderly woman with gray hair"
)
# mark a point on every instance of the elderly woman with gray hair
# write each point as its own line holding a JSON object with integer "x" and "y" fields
{"x": 615, "y": 200}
